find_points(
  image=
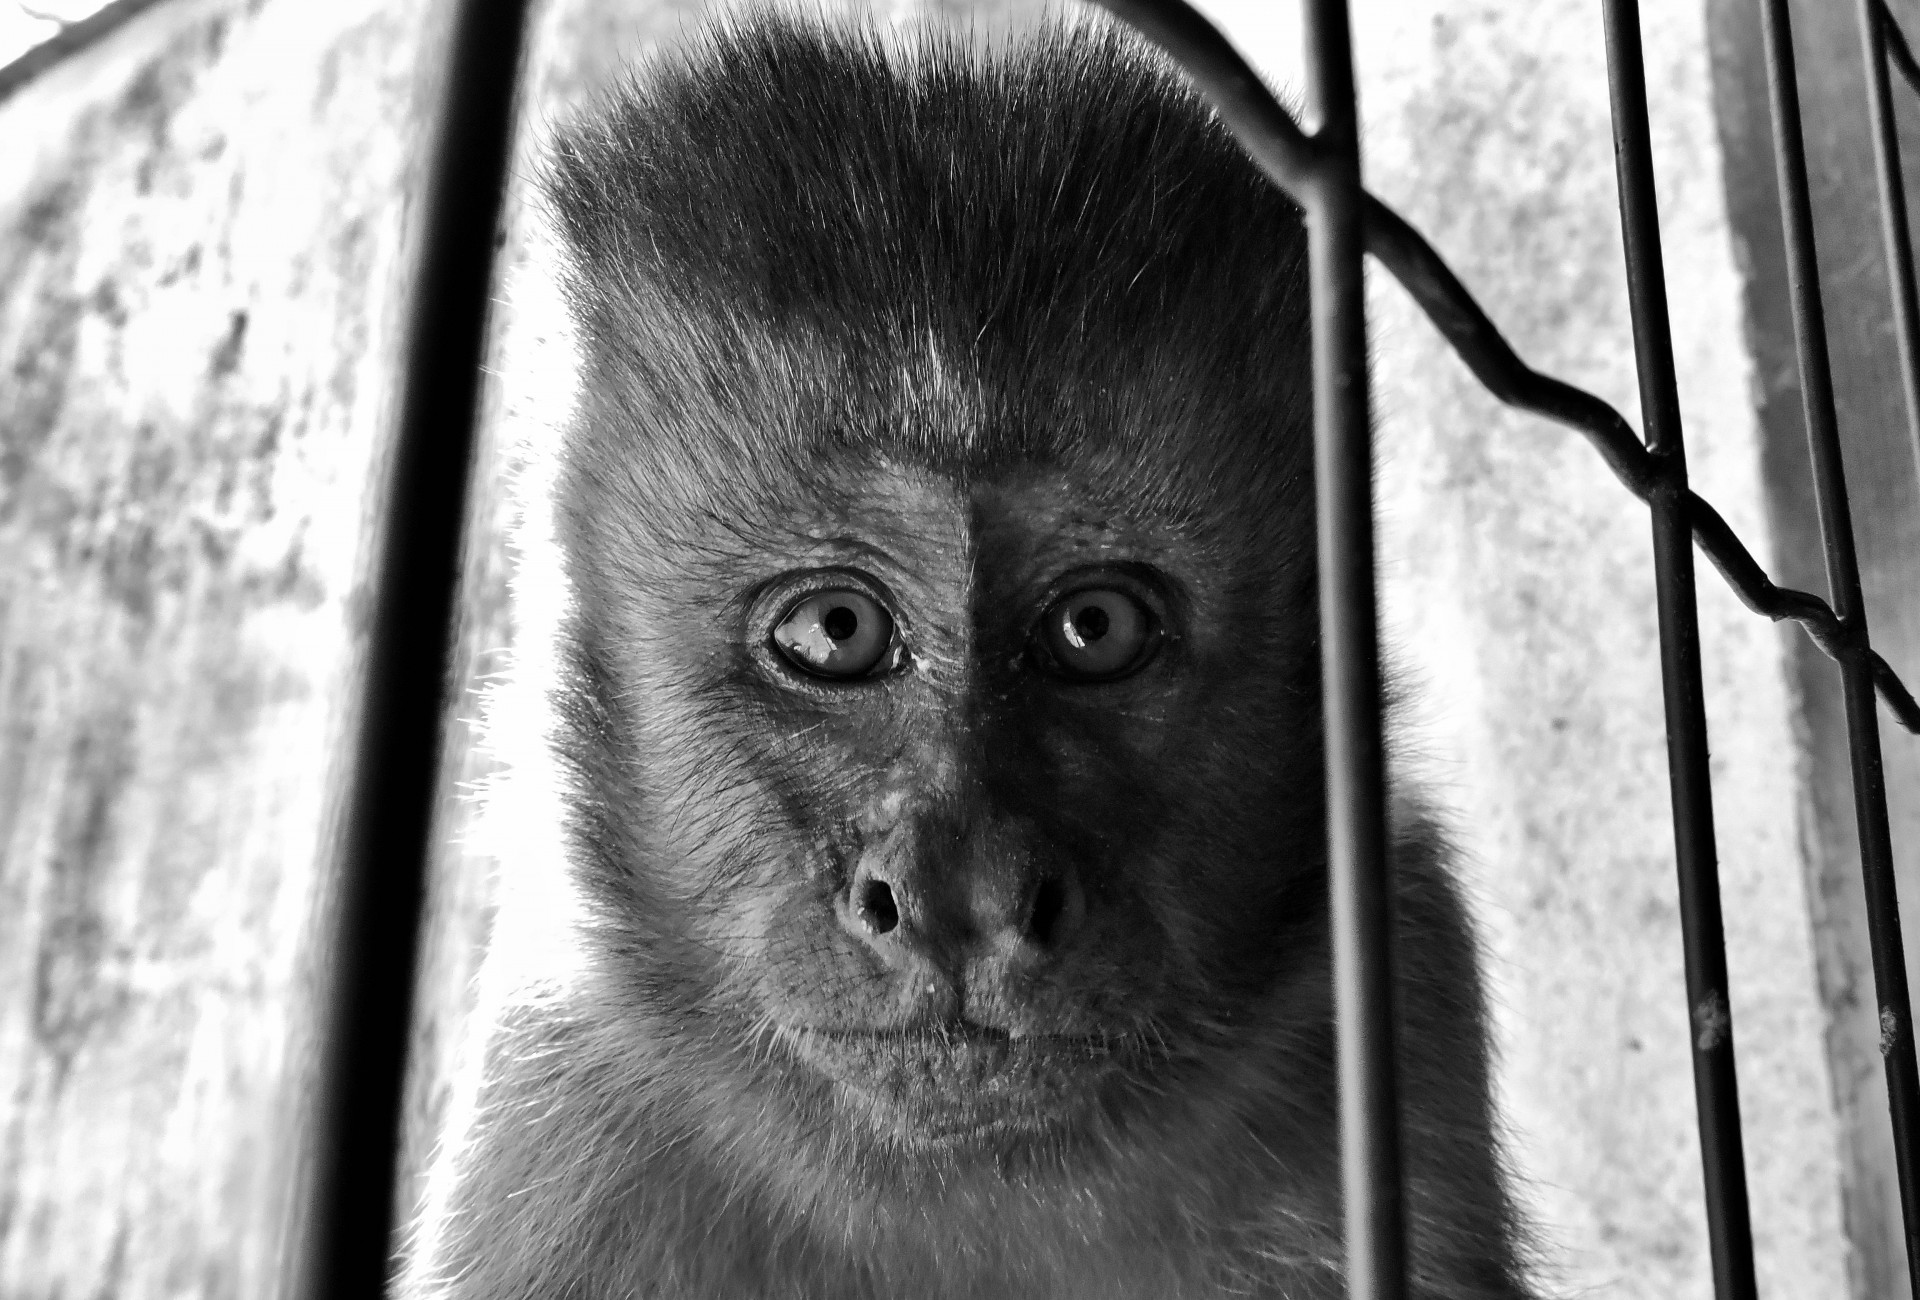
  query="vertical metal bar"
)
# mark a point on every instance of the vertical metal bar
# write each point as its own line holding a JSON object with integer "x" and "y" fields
{"x": 346, "y": 1248}
{"x": 1715, "y": 1085}
{"x": 1893, "y": 210}
{"x": 1362, "y": 899}
{"x": 1843, "y": 577}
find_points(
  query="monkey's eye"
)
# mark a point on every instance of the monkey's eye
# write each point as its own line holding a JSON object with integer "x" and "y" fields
{"x": 835, "y": 634}
{"x": 1098, "y": 634}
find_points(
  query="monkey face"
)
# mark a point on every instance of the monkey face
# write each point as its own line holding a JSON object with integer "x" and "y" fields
{"x": 970, "y": 808}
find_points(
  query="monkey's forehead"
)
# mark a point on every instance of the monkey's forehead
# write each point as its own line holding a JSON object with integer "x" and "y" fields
{"x": 1020, "y": 522}
{"x": 777, "y": 457}
{"x": 941, "y": 538}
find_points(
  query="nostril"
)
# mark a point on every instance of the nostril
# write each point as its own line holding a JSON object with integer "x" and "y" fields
{"x": 876, "y": 906}
{"x": 1049, "y": 902}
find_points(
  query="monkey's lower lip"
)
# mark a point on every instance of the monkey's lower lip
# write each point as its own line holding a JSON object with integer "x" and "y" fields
{"x": 952, "y": 1082}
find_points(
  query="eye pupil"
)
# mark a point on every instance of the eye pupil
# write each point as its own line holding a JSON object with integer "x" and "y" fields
{"x": 840, "y": 623}
{"x": 1091, "y": 622}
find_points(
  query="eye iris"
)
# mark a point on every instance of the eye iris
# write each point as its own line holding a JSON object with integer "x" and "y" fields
{"x": 1097, "y": 634}
{"x": 835, "y": 634}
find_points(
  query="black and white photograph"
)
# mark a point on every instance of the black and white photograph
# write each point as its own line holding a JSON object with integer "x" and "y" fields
{"x": 959, "y": 649}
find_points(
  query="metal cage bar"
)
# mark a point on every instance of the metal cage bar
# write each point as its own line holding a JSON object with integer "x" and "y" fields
{"x": 389, "y": 814}
{"x": 1715, "y": 1082}
{"x": 1843, "y": 582}
{"x": 1359, "y": 880}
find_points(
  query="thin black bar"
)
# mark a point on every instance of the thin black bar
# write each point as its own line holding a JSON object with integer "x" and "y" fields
{"x": 1715, "y": 1083}
{"x": 389, "y": 817}
{"x": 1360, "y": 882}
{"x": 1843, "y": 578}
{"x": 1876, "y": 27}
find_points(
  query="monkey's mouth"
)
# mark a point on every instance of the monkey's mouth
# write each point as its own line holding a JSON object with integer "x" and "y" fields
{"x": 956, "y": 1082}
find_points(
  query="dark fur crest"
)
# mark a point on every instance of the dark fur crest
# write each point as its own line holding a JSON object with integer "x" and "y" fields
{"x": 990, "y": 311}
{"x": 798, "y": 207}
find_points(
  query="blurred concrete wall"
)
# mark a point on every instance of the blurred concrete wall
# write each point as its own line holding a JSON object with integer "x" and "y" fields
{"x": 203, "y": 257}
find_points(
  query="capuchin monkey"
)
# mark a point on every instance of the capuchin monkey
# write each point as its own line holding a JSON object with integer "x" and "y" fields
{"x": 932, "y": 719}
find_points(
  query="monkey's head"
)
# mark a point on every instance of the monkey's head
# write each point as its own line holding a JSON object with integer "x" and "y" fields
{"x": 941, "y": 701}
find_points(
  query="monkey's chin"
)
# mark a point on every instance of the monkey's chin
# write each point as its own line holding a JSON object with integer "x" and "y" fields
{"x": 956, "y": 1086}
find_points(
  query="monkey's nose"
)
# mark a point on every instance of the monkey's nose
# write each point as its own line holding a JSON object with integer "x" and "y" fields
{"x": 899, "y": 912}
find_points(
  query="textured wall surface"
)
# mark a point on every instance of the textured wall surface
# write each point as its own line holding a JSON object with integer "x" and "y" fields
{"x": 201, "y": 260}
